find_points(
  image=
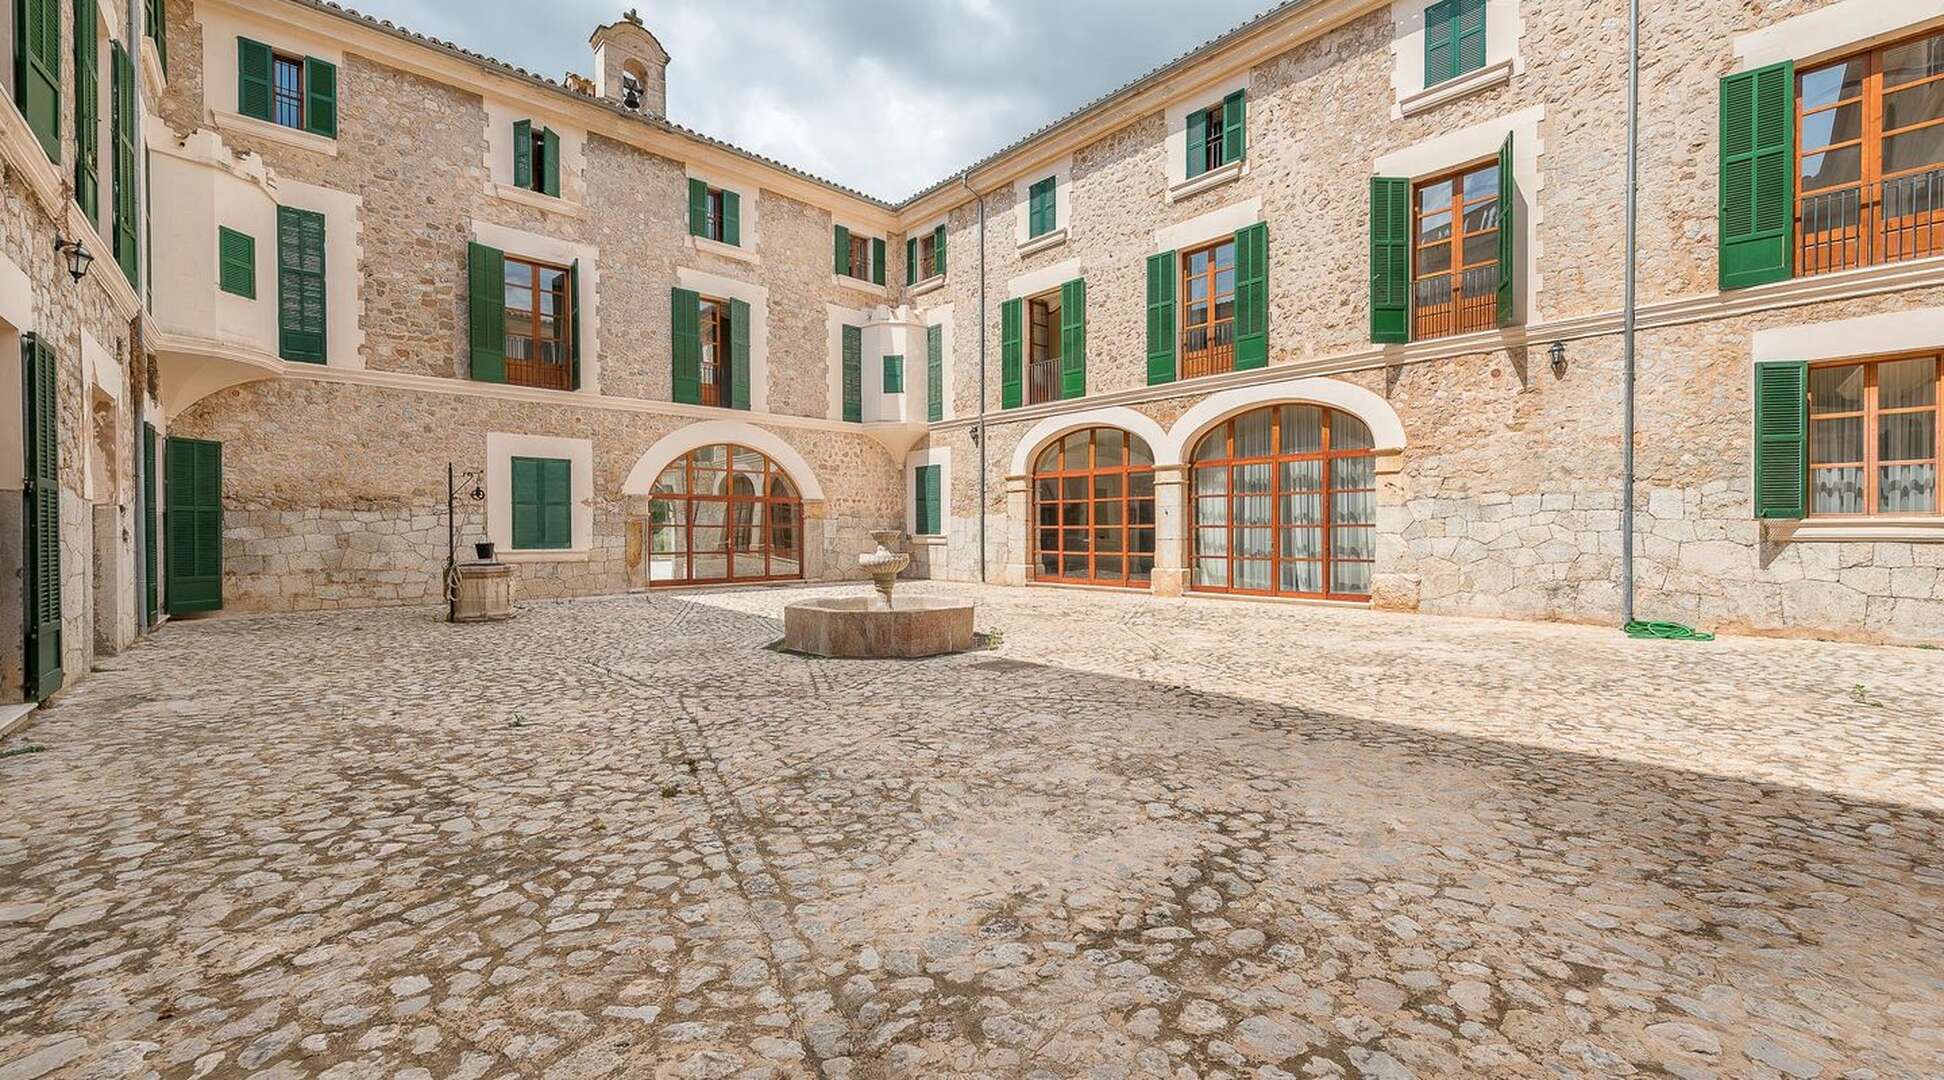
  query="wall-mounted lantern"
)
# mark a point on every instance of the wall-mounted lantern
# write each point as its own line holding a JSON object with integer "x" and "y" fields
{"x": 1557, "y": 353}
{"x": 77, "y": 255}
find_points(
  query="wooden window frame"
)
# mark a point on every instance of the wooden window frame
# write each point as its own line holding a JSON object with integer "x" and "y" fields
{"x": 1327, "y": 558}
{"x": 537, "y": 154}
{"x": 1089, "y": 472}
{"x": 714, "y": 367}
{"x": 1870, "y": 414}
{"x": 860, "y": 257}
{"x": 1214, "y": 136}
{"x": 717, "y": 227}
{"x": 927, "y": 256}
{"x": 1889, "y": 236}
{"x": 1457, "y": 315}
{"x": 534, "y": 371}
{"x": 278, "y": 96}
{"x": 763, "y": 502}
{"x": 1216, "y": 352}
{"x": 1042, "y": 346}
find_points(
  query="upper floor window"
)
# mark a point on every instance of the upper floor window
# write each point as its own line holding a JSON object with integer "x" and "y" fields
{"x": 1454, "y": 39}
{"x": 1043, "y": 348}
{"x": 285, "y": 89}
{"x": 1042, "y": 207}
{"x": 287, "y": 81}
{"x": 714, "y": 369}
{"x": 1455, "y": 258}
{"x": 858, "y": 257}
{"x": 1208, "y": 309}
{"x": 539, "y": 325}
{"x": 1870, "y": 157}
{"x": 1873, "y": 437}
{"x": 1216, "y": 134}
{"x": 714, "y": 213}
{"x": 536, "y": 158}
{"x": 928, "y": 267}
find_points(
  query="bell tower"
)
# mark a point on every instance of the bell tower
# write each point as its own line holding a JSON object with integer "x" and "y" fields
{"x": 630, "y": 66}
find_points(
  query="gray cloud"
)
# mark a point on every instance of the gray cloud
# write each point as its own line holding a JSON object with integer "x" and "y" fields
{"x": 884, "y": 96}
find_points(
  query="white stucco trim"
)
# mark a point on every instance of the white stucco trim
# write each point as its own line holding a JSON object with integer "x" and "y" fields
{"x": 101, "y": 369}
{"x": 560, "y": 252}
{"x": 1386, "y": 430}
{"x": 277, "y": 133}
{"x": 17, "y": 296}
{"x": 757, "y": 297}
{"x": 1835, "y": 28}
{"x": 1478, "y": 143}
{"x": 1043, "y": 242}
{"x": 727, "y": 251}
{"x": 942, "y": 457}
{"x": 1044, "y": 279}
{"x": 1504, "y": 29}
{"x": 1843, "y": 339}
{"x": 1213, "y": 178}
{"x": 1062, "y": 173}
{"x": 501, "y": 449}
{"x": 1176, "y": 115}
{"x": 1203, "y": 228}
{"x": 1900, "y": 529}
{"x": 1159, "y": 443}
{"x": 641, "y": 478}
{"x": 344, "y": 267}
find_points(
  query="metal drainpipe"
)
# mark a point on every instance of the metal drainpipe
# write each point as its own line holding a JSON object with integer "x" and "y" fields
{"x": 979, "y": 431}
{"x": 135, "y": 31}
{"x": 1628, "y": 318}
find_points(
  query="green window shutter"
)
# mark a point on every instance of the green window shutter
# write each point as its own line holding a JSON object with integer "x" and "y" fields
{"x": 87, "y": 112}
{"x": 525, "y": 482}
{"x": 731, "y": 218}
{"x": 1468, "y": 40}
{"x": 842, "y": 237}
{"x": 43, "y": 540}
{"x": 928, "y": 499}
{"x": 877, "y": 260}
{"x": 543, "y": 503}
{"x": 320, "y": 97}
{"x": 935, "y": 372}
{"x": 253, "y": 78}
{"x": 911, "y": 260}
{"x": 1252, "y": 296}
{"x": 685, "y": 322}
{"x": 894, "y": 374}
{"x": 1440, "y": 46}
{"x": 574, "y": 327}
{"x": 1758, "y": 176}
{"x": 157, "y": 19}
{"x": 1161, "y": 318}
{"x": 1781, "y": 439}
{"x": 1390, "y": 260}
{"x": 1197, "y": 142}
{"x": 486, "y": 308}
{"x": 738, "y": 354}
{"x": 523, "y": 154}
{"x": 236, "y": 262}
{"x": 938, "y": 250}
{"x": 1042, "y": 209}
{"x": 698, "y": 207}
{"x": 1234, "y": 126}
{"x": 127, "y": 235}
{"x": 1010, "y": 353}
{"x": 1073, "y": 339}
{"x": 193, "y": 523}
{"x": 853, "y": 374}
{"x": 151, "y": 533}
{"x": 37, "y": 70}
{"x": 549, "y": 163}
{"x": 1508, "y": 236}
{"x": 300, "y": 285}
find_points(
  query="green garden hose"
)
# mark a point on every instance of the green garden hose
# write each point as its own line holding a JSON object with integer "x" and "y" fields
{"x": 1666, "y": 631}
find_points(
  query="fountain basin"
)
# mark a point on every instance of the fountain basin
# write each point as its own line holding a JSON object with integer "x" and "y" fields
{"x": 858, "y": 627}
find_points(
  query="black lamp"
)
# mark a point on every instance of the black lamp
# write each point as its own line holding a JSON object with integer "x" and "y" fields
{"x": 1558, "y": 355}
{"x": 79, "y": 258}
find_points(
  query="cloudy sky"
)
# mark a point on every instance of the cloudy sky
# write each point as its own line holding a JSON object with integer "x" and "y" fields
{"x": 887, "y": 96}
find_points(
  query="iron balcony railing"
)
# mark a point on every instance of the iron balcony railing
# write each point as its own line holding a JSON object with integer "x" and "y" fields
{"x": 1208, "y": 350}
{"x": 1888, "y": 221}
{"x": 1043, "y": 381}
{"x": 1456, "y": 304}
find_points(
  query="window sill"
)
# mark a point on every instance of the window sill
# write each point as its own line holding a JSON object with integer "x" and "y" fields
{"x": 1901, "y": 529}
{"x": 552, "y": 204}
{"x": 925, "y": 540}
{"x": 544, "y": 555}
{"x": 1213, "y": 178}
{"x": 727, "y": 251}
{"x": 930, "y": 285}
{"x": 1046, "y": 241}
{"x": 1452, "y": 89}
{"x": 859, "y": 284}
{"x": 264, "y": 129}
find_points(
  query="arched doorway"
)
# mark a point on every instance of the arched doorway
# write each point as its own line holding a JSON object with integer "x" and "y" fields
{"x": 1093, "y": 509}
{"x": 1284, "y": 503}
{"x": 722, "y": 513}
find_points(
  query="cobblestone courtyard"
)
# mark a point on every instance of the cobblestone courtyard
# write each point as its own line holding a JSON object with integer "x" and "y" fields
{"x": 621, "y": 837}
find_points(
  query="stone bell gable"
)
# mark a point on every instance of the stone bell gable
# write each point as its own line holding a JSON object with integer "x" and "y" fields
{"x": 630, "y": 66}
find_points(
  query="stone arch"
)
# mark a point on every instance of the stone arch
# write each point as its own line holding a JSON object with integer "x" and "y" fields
{"x": 1166, "y": 451}
{"x": 641, "y": 478}
{"x": 1386, "y": 430}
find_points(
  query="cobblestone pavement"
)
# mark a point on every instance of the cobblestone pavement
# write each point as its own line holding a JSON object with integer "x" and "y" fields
{"x": 621, "y": 837}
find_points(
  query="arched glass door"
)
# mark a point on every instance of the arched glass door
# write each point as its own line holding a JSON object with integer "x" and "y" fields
{"x": 724, "y": 513}
{"x": 1093, "y": 510}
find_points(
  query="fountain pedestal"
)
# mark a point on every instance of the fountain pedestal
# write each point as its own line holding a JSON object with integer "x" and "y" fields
{"x": 879, "y": 626}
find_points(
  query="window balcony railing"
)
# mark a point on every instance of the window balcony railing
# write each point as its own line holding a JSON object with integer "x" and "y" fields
{"x": 1043, "y": 381}
{"x": 1208, "y": 350}
{"x": 1886, "y": 222}
{"x": 1447, "y": 305}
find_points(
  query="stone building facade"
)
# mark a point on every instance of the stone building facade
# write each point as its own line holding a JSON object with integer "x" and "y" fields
{"x": 910, "y": 365}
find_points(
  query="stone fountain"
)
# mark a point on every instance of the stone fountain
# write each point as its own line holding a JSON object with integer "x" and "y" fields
{"x": 878, "y": 626}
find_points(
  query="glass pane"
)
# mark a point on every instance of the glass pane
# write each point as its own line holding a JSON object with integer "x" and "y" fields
{"x": 1140, "y": 512}
{"x": 1107, "y": 512}
{"x": 1354, "y": 507}
{"x": 1140, "y": 568}
{"x": 1913, "y": 149}
{"x": 1354, "y": 543}
{"x": 1225, "y": 282}
{"x": 1046, "y": 490}
{"x": 1074, "y": 566}
{"x": 1836, "y": 389}
{"x": 1912, "y": 106}
{"x": 1212, "y": 572}
{"x": 1225, "y": 254}
{"x": 750, "y": 564}
{"x": 780, "y": 487}
{"x": 1434, "y": 259}
{"x": 1073, "y": 513}
{"x": 1907, "y": 489}
{"x": 1140, "y": 485}
{"x": 1143, "y": 541}
{"x": 1252, "y": 433}
{"x": 1832, "y": 168}
{"x": 1836, "y": 491}
{"x": 1433, "y": 228}
{"x": 1252, "y": 575}
{"x": 1837, "y": 82}
{"x": 708, "y": 537}
{"x": 1302, "y": 577}
{"x": 1213, "y": 446}
{"x": 1434, "y": 197}
{"x": 1073, "y": 487}
{"x": 1350, "y": 578}
{"x": 673, "y": 480}
{"x": 1076, "y": 450}
{"x": 519, "y": 301}
{"x": 1139, "y": 454}
{"x": 1107, "y": 540}
{"x": 519, "y": 348}
{"x": 1109, "y": 448}
{"x": 1916, "y": 60}
{"x": 1049, "y": 564}
{"x": 712, "y": 457}
{"x": 1907, "y": 383}
{"x": 1302, "y": 509}
{"x": 1302, "y": 429}
{"x": 1479, "y": 251}
{"x": 1833, "y": 441}
{"x": 1251, "y": 479}
{"x": 1841, "y": 124}
{"x": 1198, "y": 262}
{"x": 1211, "y": 541}
{"x": 1349, "y": 433}
{"x": 1049, "y": 513}
{"x": 1302, "y": 476}
{"x": 1351, "y": 473}
{"x": 1107, "y": 566}
{"x": 1074, "y": 540}
{"x": 1049, "y": 539}
{"x": 1211, "y": 480}
{"x": 1907, "y": 436}
{"x": 1255, "y": 543}
{"x": 1049, "y": 459}
{"x": 1254, "y": 510}
{"x": 1482, "y": 184}
{"x": 518, "y": 273}
{"x": 1302, "y": 543}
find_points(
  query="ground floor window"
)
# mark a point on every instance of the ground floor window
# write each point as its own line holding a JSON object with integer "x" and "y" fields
{"x": 1873, "y": 437}
{"x": 1285, "y": 504}
{"x": 724, "y": 513}
{"x": 1093, "y": 495}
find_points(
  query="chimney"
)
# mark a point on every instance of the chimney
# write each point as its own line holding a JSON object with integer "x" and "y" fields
{"x": 630, "y": 66}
